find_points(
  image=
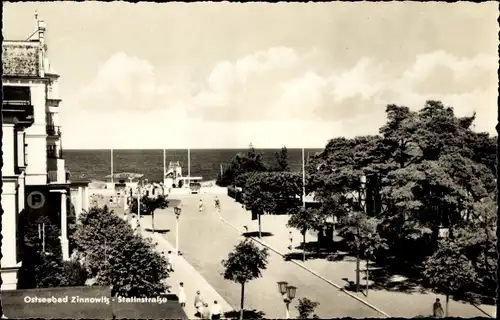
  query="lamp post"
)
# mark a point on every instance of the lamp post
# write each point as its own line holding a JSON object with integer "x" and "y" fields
{"x": 356, "y": 233}
{"x": 288, "y": 293}
{"x": 177, "y": 211}
{"x": 443, "y": 233}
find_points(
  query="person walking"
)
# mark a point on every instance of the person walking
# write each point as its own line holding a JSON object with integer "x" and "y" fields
{"x": 182, "y": 295}
{"x": 170, "y": 262}
{"x": 437, "y": 309}
{"x": 125, "y": 217}
{"x": 217, "y": 203}
{"x": 215, "y": 311}
{"x": 198, "y": 303}
{"x": 200, "y": 205}
{"x": 134, "y": 222}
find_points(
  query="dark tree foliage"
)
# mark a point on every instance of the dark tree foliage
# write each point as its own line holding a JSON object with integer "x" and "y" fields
{"x": 251, "y": 161}
{"x": 282, "y": 163}
{"x": 115, "y": 256}
{"x": 306, "y": 308}
{"x": 273, "y": 192}
{"x": 431, "y": 171}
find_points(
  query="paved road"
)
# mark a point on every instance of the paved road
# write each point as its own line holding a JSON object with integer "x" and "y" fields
{"x": 205, "y": 240}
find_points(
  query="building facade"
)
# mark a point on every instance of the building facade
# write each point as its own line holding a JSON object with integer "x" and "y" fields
{"x": 34, "y": 173}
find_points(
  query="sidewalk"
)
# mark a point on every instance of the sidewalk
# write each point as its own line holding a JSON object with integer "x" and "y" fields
{"x": 393, "y": 303}
{"x": 184, "y": 272}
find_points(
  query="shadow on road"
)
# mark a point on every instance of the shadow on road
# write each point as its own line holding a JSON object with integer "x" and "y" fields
{"x": 247, "y": 314}
{"x": 255, "y": 234}
{"x": 160, "y": 231}
{"x": 173, "y": 202}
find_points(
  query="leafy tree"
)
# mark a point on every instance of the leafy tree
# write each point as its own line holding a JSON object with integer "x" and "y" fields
{"x": 306, "y": 308}
{"x": 244, "y": 264}
{"x": 304, "y": 219}
{"x": 115, "y": 256}
{"x": 149, "y": 206}
{"x": 448, "y": 271}
{"x": 282, "y": 163}
{"x": 251, "y": 161}
{"x": 272, "y": 192}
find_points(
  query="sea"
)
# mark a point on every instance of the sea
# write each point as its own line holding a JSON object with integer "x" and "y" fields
{"x": 96, "y": 164}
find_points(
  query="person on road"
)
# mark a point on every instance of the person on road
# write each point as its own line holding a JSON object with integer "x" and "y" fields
{"x": 217, "y": 203}
{"x": 437, "y": 309}
{"x": 125, "y": 217}
{"x": 205, "y": 313}
{"x": 216, "y": 311}
{"x": 290, "y": 238}
{"x": 198, "y": 302}
{"x": 200, "y": 205}
{"x": 134, "y": 223}
{"x": 182, "y": 295}
{"x": 170, "y": 262}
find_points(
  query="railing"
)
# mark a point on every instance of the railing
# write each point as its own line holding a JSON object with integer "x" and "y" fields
{"x": 52, "y": 152}
{"x": 53, "y": 130}
{"x": 16, "y": 102}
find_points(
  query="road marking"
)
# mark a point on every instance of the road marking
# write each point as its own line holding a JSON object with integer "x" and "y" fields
{"x": 308, "y": 269}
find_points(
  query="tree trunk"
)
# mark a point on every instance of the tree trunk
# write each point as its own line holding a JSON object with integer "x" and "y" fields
{"x": 242, "y": 300}
{"x": 260, "y": 230}
{"x": 447, "y": 303}
{"x": 357, "y": 272}
{"x": 367, "y": 278}
{"x": 304, "y": 245}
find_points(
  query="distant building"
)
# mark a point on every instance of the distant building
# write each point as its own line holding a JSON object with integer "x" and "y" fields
{"x": 31, "y": 86}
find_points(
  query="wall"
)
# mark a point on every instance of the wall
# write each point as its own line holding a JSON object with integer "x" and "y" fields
{"x": 8, "y": 149}
{"x": 36, "y": 139}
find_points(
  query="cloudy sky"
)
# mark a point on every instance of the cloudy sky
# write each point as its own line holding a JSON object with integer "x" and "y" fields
{"x": 223, "y": 75}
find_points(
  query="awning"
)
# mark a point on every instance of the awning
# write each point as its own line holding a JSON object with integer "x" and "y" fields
{"x": 125, "y": 176}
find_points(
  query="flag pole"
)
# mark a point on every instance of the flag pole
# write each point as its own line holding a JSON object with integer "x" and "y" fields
{"x": 112, "y": 178}
{"x": 164, "y": 165}
{"x": 189, "y": 165}
{"x": 303, "y": 180}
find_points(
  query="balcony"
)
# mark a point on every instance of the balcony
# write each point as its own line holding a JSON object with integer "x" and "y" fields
{"x": 21, "y": 110}
{"x": 54, "y": 153}
{"x": 53, "y": 131}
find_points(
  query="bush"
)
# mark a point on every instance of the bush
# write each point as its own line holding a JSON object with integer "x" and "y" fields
{"x": 116, "y": 257}
{"x": 74, "y": 274}
{"x": 306, "y": 308}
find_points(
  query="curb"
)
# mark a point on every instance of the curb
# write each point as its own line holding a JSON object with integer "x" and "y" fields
{"x": 309, "y": 270}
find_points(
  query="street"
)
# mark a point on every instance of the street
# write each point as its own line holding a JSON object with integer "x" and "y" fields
{"x": 205, "y": 241}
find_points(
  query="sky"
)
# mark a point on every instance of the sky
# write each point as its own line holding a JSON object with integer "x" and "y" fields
{"x": 224, "y": 75}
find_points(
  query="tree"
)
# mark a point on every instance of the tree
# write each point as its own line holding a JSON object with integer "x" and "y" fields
{"x": 115, "y": 256}
{"x": 251, "y": 161}
{"x": 362, "y": 237}
{"x": 282, "y": 163}
{"x": 448, "y": 271}
{"x": 304, "y": 219}
{"x": 244, "y": 264}
{"x": 428, "y": 174}
{"x": 306, "y": 308}
{"x": 272, "y": 192}
{"x": 149, "y": 206}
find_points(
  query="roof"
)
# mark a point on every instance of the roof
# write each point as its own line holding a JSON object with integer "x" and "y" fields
{"x": 125, "y": 175}
{"x": 21, "y": 58}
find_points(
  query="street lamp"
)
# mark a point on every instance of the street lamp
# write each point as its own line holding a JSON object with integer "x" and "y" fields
{"x": 177, "y": 211}
{"x": 288, "y": 293}
{"x": 356, "y": 233}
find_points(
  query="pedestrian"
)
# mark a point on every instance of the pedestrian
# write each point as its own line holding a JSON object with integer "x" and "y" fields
{"x": 198, "y": 302}
{"x": 125, "y": 217}
{"x": 217, "y": 203}
{"x": 182, "y": 295}
{"x": 170, "y": 262}
{"x": 200, "y": 205}
{"x": 437, "y": 309}
{"x": 134, "y": 223}
{"x": 290, "y": 238}
{"x": 216, "y": 311}
{"x": 205, "y": 313}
